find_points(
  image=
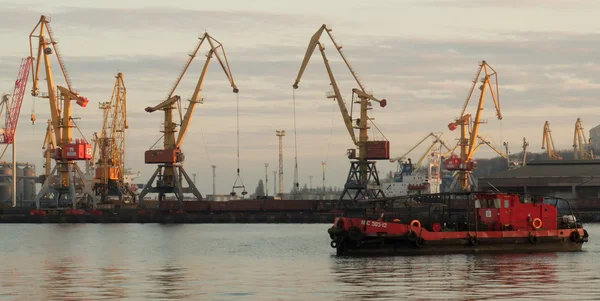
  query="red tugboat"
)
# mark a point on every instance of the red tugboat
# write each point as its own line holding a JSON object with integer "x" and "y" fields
{"x": 458, "y": 223}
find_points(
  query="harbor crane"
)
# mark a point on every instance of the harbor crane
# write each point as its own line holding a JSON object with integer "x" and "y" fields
{"x": 505, "y": 154}
{"x": 469, "y": 129}
{"x": 12, "y": 107}
{"x": 109, "y": 178}
{"x": 170, "y": 158}
{"x": 363, "y": 180}
{"x": 64, "y": 184}
{"x": 437, "y": 139}
{"x": 525, "y": 145}
{"x": 581, "y": 148}
{"x": 548, "y": 143}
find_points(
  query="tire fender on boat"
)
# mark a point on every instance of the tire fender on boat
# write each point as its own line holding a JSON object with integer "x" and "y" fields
{"x": 473, "y": 240}
{"x": 575, "y": 236}
{"x": 412, "y": 235}
{"x": 355, "y": 233}
{"x": 536, "y": 223}
{"x": 415, "y": 223}
{"x": 533, "y": 238}
{"x": 414, "y": 238}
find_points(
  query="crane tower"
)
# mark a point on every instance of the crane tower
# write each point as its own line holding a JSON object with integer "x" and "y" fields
{"x": 109, "y": 177}
{"x": 363, "y": 180}
{"x": 548, "y": 143}
{"x": 280, "y": 134}
{"x": 65, "y": 183}
{"x": 469, "y": 128}
{"x": 581, "y": 146}
{"x": 266, "y": 179}
{"x": 170, "y": 173}
{"x": 274, "y": 182}
{"x": 525, "y": 145}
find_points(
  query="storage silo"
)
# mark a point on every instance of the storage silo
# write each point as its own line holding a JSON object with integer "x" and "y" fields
{"x": 29, "y": 184}
{"x": 5, "y": 184}
{"x": 20, "y": 184}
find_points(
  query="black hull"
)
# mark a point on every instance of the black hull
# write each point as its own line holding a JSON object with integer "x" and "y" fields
{"x": 388, "y": 247}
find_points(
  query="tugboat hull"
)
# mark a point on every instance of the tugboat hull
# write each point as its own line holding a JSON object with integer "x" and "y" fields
{"x": 494, "y": 222}
{"x": 386, "y": 247}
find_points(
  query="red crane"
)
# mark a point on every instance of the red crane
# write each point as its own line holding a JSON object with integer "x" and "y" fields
{"x": 14, "y": 108}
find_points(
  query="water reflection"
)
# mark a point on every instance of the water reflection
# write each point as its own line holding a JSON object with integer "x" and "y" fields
{"x": 265, "y": 262}
{"x": 514, "y": 269}
{"x": 167, "y": 283}
{"x": 445, "y": 277}
{"x": 62, "y": 279}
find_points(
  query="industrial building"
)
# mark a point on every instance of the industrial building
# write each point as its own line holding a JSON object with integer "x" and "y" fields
{"x": 569, "y": 179}
{"x": 595, "y": 138}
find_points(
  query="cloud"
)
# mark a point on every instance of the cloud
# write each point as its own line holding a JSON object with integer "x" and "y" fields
{"x": 154, "y": 18}
{"x": 562, "y": 4}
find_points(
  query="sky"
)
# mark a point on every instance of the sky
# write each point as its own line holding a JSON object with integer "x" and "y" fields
{"x": 420, "y": 55}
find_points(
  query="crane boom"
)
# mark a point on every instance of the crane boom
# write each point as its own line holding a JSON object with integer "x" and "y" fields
{"x": 413, "y": 148}
{"x": 338, "y": 97}
{"x": 164, "y": 105}
{"x": 581, "y": 143}
{"x": 548, "y": 143}
{"x": 312, "y": 44}
{"x": 14, "y": 108}
{"x": 196, "y": 96}
{"x": 497, "y": 150}
{"x": 46, "y": 47}
{"x": 428, "y": 151}
{"x": 475, "y": 131}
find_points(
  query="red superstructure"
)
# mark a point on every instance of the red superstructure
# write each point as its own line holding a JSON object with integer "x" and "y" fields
{"x": 493, "y": 222}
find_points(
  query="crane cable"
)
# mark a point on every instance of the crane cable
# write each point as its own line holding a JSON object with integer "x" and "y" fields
{"x": 235, "y": 184}
{"x": 296, "y": 185}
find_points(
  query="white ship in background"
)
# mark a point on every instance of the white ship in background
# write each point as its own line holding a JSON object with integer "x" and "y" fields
{"x": 414, "y": 179}
{"x": 129, "y": 178}
{"x": 411, "y": 179}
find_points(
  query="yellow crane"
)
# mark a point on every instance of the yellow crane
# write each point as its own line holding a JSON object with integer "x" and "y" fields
{"x": 437, "y": 139}
{"x": 48, "y": 148}
{"x": 505, "y": 155}
{"x": 548, "y": 143}
{"x": 170, "y": 170}
{"x": 581, "y": 147}
{"x": 69, "y": 187}
{"x": 464, "y": 164}
{"x": 110, "y": 170}
{"x": 363, "y": 180}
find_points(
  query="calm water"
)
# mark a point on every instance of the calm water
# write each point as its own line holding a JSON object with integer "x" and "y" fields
{"x": 266, "y": 262}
